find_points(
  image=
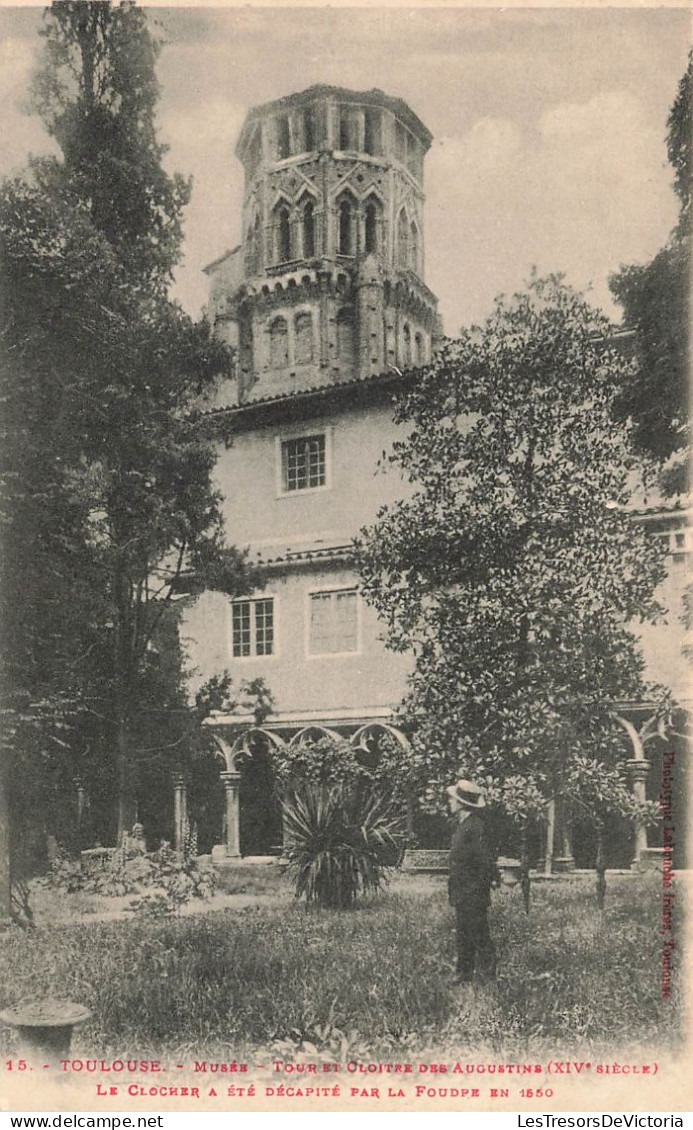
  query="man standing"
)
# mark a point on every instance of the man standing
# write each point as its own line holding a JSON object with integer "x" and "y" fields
{"x": 472, "y": 872}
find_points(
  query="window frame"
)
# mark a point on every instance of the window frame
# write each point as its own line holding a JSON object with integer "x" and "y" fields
{"x": 253, "y": 600}
{"x": 303, "y": 433}
{"x": 321, "y": 590}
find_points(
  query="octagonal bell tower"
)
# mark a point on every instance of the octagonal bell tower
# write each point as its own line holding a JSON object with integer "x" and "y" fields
{"x": 327, "y": 283}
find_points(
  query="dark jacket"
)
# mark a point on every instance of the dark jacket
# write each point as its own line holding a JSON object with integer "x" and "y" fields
{"x": 472, "y": 865}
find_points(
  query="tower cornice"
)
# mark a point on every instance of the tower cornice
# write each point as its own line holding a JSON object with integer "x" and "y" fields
{"x": 374, "y": 97}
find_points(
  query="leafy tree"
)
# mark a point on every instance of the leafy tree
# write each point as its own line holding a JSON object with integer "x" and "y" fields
{"x": 109, "y": 470}
{"x": 514, "y": 569}
{"x": 97, "y": 93}
{"x": 656, "y": 302}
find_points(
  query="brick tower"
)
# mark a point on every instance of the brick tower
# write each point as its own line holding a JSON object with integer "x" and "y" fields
{"x": 327, "y": 284}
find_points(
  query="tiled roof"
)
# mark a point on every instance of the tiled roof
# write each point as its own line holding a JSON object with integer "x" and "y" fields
{"x": 305, "y": 556}
{"x": 391, "y": 376}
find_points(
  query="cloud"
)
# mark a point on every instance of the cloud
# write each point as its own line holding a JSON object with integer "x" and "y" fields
{"x": 202, "y": 139}
{"x": 20, "y": 131}
{"x": 582, "y": 189}
{"x": 550, "y": 127}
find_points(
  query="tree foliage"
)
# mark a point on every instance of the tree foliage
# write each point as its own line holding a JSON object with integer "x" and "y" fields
{"x": 108, "y": 501}
{"x": 656, "y": 301}
{"x": 514, "y": 569}
{"x": 97, "y": 92}
{"x": 329, "y": 762}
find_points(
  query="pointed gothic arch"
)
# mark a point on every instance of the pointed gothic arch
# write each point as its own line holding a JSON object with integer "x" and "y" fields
{"x": 375, "y": 730}
{"x": 346, "y": 224}
{"x": 314, "y": 733}
{"x": 372, "y": 224}
{"x": 308, "y": 227}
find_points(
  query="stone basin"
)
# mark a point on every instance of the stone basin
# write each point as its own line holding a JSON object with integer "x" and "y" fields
{"x": 44, "y": 1027}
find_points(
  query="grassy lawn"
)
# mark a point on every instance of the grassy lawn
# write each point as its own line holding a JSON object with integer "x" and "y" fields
{"x": 373, "y": 981}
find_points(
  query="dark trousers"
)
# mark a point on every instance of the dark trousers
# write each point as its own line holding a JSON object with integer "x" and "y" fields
{"x": 474, "y": 945}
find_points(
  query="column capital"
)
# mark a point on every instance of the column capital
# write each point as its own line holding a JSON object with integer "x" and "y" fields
{"x": 230, "y": 777}
{"x": 179, "y": 779}
{"x": 638, "y": 768}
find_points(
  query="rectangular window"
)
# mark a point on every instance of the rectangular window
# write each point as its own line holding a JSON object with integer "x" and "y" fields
{"x": 333, "y": 622}
{"x": 253, "y": 627}
{"x": 303, "y": 463}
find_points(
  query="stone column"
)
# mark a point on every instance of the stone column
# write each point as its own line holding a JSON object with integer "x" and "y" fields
{"x": 638, "y": 770}
{"x": 180, "y": 811}
{"x": 81, "y": 801}
{"x": 550, "y": 832}
{"x": 563, "y": 858}
{"x": 232, "y": 780}
{"x": 78, "y": 782}
{"x": 360, "y": 122}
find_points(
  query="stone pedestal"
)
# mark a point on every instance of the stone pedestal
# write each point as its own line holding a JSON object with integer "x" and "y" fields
{"x": 563, "y": 859}
{"x": 651, "y": 859}
{"x": 510, "y": 870}
{"x": 431, "y": 860}
{"x": 638, "y": 770}
{"x": 558, "y": 854}
{"x": 44, "y": 1028}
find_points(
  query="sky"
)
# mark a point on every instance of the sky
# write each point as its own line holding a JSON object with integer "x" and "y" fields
{"x": 549, "y": 127}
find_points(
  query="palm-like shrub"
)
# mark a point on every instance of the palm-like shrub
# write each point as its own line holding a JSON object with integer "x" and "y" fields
{"x": 339, "y": 840}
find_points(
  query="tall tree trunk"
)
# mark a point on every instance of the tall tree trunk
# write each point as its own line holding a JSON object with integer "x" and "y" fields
{"x": 125, "y": 775}
{"x": 127, "y": 810}
{"x": 550, "y": 835}
{"x": 600, "y": 866}
{"x": 525, "y": 882}
{"x": 5, "y": 840}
